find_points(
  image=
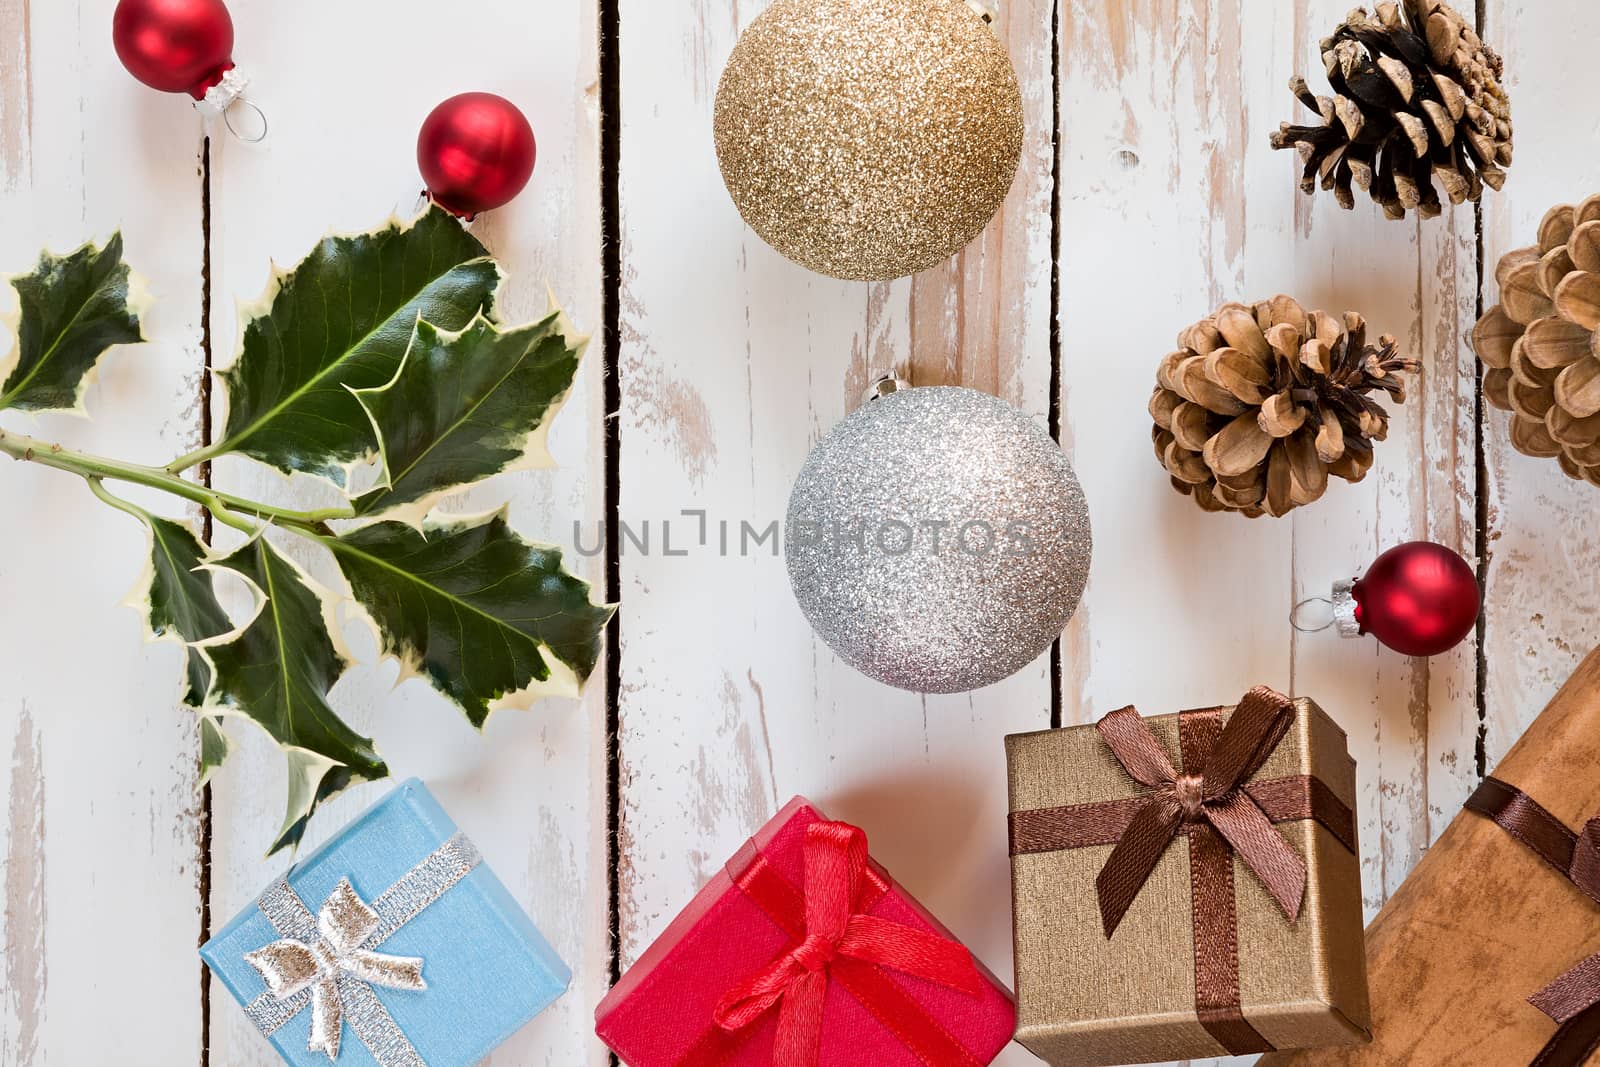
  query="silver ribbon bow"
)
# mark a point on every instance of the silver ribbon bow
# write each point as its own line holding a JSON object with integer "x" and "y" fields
{"x": 328, "y": 961}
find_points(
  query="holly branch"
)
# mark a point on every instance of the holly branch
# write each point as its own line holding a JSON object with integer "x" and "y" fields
{"x": 382, "y": 350}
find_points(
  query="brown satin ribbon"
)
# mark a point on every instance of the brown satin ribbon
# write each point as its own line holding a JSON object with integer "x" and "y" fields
{"x": 1103, "y": 822}
{"x": 1573, "y": 1000}
{"x": 1210, "y": 803}
{"x": 1207, "y": 796}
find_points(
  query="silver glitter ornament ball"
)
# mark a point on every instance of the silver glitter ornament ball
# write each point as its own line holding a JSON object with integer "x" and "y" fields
{"x": 938, "y": 540}
{"x": 869, "y": 139}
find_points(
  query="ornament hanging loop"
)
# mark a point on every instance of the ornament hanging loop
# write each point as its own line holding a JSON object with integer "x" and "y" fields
{"x": 1297, "y": 617}
{"x": 221, "y": 99}
{"x": 261, "y": 116}
{"x": 1341, "y": 612}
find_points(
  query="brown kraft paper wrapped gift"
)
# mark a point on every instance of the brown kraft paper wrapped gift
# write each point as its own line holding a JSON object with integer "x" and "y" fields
{"x": 1484, "y": 922}
{"x": 1144, "y": 994}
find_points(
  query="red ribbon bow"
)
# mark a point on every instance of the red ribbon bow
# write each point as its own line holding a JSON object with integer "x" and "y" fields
{"x": 842, "y": 943}
{"x": 1211, "y": 793}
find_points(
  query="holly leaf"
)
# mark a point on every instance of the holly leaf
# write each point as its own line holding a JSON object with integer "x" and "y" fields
{"x": 70, "y": 310}
{"x": 178, "y": 601}
{"x": 277, "y": 671}
{"x": 343, "y": 320}
{"x": 465, "y": 406}
{"x": 215, "y": 747}
{"x": 492, "y": 621}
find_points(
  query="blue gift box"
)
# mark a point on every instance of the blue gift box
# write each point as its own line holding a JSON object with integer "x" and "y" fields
{"x": 394, "y": 940}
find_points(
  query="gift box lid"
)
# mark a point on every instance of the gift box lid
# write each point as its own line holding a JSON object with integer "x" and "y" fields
{"x": 666, "y": 999}
{"x": 488, "y": 969}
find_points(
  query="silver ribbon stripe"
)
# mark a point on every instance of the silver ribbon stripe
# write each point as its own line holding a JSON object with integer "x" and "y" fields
{"x": 328, "y": 962}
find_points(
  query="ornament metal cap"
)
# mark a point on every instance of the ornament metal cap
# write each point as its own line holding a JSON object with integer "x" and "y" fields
{"x": 1344, "y": 609}
{"x": 1342, "y": 612}
{"x": 220, "y": 99}
{"x": 886, "y": 385}
{"x": 984, "y": 11}
{"x": 221, "y": 96}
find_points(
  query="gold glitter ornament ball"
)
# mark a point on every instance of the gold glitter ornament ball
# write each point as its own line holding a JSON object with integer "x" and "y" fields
{"x": 869, "y": 139}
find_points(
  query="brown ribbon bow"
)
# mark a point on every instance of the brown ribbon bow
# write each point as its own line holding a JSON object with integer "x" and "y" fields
{"x": 1212, "y": 793}
{"x": 1573, "y": 1000}
{"x": 1214, "y": 807}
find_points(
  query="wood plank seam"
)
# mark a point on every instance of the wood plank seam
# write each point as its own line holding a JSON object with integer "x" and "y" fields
{"x": 610, "y": 59}
{"x": 204, "y": 474}
{"x": 1481, "y": 498}
{"x": 1056, "y": 664}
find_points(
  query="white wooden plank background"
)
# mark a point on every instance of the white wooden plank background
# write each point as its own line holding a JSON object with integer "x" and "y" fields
{"x": 1543, "y": 535}
{"x": 531, "y": 793}
{"x": 100, "y": 844}
{"x": 731, "y": 363}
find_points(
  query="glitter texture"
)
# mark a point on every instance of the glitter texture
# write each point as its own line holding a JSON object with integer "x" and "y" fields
{"x": 869, "y": 139}
{"x": 886, "y": 540}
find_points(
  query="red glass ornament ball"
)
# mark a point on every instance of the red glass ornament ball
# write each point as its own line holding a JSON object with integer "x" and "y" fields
{"x": 177, "y": 46}
{"x": 476, "y": 152}
{"x": 1420, "y": 599}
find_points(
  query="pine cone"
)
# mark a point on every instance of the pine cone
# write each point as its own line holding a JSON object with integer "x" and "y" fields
{"x": 1415, "y": 97}
{"x": 1260, "y": 404}
{"x": 1541, "y": 343}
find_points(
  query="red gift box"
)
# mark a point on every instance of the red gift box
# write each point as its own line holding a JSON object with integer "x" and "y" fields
{"x": 802, "y": 919}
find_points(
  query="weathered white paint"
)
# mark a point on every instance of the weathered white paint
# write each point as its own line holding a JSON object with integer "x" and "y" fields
{"x": 1173, "y": 202}
{"x": 733, "y": 364}
{"x": 1544, "y": 542}
{"x": 346, "y": 102}
{"x": 1412, "y": 723}
{"x": 99, "y": 818}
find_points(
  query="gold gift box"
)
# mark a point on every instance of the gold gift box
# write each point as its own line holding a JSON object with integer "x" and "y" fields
{"x": 1084, "y": 999}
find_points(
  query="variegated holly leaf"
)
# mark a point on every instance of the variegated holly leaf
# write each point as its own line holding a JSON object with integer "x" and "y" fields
{"x": 70, "y": 310}
{"x": 178, "y": 600}
{"x": 489, "y": 619}
{"x": 277, "y": 671}
{"x": 342, "y": 320}
{"x": 179, "y": 603}
{"x": 466, "y": 406}
{"x": 215, "y": 747}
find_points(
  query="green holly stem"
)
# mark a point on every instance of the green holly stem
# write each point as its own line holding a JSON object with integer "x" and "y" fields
{"x": 221, "y": 514}
{"x": 221, "y": 505}
{"x": 195, "y": 458}
{"x": 98, "y": 488}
